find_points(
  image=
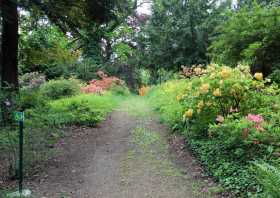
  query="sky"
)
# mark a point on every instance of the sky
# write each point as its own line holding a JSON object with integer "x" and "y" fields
{"x": 145, "y": 8}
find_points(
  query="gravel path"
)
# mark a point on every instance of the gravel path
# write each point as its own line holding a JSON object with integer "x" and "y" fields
{"x": 127, "y": 156}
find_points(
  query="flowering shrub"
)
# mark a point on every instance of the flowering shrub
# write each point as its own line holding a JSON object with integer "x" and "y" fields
{"x": 99, "y": 86}
{"x": 230, "y": 118}
{"x": 143, "y": 91}
{"x": 223, "y": 91}
{"x": 32, "y": 80}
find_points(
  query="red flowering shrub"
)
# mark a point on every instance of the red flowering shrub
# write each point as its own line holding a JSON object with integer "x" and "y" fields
{"x": 105, "y": 83}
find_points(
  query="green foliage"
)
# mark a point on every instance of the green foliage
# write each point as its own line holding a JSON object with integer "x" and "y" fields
{"x": 86, "y": 70}
{"x": 251, "y": 34}
{"x": 163, "y": 99}
{"x": 178, "y": 33}
{"x": 55, "y": 89}
{"x": 119, "y": 90}
{"x": 29, "y": 99}
{"x": 275, "y": 76}
{"x": 145, "y": 77}
{"x": 269, "y": 177}
{"x": 81, "y": 110}
{"x": 46, "y": 49}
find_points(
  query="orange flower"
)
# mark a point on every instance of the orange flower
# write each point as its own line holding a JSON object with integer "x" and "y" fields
{"x": 143, "y": 91}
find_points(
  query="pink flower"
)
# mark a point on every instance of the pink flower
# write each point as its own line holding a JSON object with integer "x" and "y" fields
{"x": 220, "y": 119}
{"x": 258, "y": 120}
{"x": 255, "y": 118}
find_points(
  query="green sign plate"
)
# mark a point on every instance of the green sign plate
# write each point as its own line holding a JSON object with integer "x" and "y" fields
{"x": 19, "y": 116}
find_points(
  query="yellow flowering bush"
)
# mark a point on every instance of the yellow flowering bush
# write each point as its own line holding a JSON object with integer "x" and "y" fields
{"x": 225, "y": 73}
{"x": 222, "y": 91}
{"x": 204, "y": 88}
{"x": 229, "y": 116}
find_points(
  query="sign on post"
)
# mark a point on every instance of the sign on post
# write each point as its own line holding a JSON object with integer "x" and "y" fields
{"x": 19, "y": 116}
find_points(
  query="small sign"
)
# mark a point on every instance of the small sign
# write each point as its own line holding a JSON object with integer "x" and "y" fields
{"x": 19, "y": 116}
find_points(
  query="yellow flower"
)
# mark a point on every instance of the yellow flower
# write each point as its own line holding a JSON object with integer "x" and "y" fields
{"x": 189, "y": 113}
{"x": 211, "y": 67}
{"x": 258, "y": 76}
{"x": 212, "y": 76}
{"x": 225, "y": 73}
{"x": 221, "y": 82}
{"x": 217, "y": 93}
{"x": 179, "y": 97}
{"x": 200, "y": 105}
{"x": 197, "y": 70}
{"x": 204, "y": 88}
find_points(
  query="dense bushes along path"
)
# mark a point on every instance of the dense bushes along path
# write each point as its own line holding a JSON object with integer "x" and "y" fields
{"x": 127, "y": 156}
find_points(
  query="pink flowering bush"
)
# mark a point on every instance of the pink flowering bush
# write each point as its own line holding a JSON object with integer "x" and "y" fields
{"x": 258, "y": 119}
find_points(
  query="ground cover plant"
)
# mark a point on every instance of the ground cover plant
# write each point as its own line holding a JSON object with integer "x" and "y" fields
{"x": 230, "y": 119}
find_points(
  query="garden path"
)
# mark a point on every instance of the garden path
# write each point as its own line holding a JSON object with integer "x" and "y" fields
{"x": 126, "y": 156}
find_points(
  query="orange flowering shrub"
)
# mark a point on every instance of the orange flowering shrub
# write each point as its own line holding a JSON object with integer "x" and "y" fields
{"x": 99, "y": 86}
{"x": 143, "y": 91}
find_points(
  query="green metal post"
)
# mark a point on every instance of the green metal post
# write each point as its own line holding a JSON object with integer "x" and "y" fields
{"x": 20, "y": 156}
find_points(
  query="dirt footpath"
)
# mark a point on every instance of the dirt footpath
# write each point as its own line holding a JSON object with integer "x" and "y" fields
{"x": 127, "y": 156}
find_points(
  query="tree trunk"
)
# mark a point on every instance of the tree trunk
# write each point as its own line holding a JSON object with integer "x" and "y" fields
{"x": 10, "y": 37}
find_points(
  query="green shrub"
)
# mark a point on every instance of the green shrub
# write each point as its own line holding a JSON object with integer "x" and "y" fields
{"x": 81, "y": 110}
{"x": 269, "y": 177}
{"x": 275, "y": 76}
{"x": 163, "y": 98}
{"x": 55, "y": 89}
{"x": 120, "y": 90}
{"x": 31, "y": 99}
{"x": 86, "y": 70}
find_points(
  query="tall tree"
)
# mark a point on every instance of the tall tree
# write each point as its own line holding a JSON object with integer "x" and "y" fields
{"x": 9, "y": 47}
{"x": 179, "y": 32}
{"x": 72, "y": 16}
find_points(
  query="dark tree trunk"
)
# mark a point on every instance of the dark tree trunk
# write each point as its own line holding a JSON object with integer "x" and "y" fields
{"x": 10, "y": 37}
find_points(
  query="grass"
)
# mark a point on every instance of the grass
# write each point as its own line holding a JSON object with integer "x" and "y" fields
{"x": 163, "y": 100}
{"x": 136, "y": 106}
